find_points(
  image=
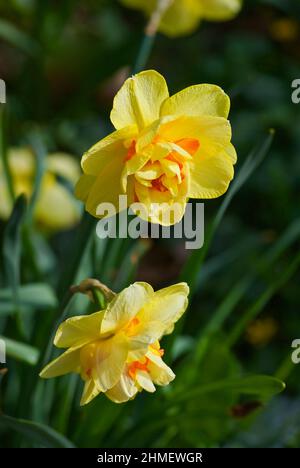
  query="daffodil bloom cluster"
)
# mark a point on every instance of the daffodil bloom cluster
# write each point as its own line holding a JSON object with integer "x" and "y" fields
{"x": 183, "y": 16}
{"x": 117, "y": 351}
{"x": 55, "y": 207}
{"x": 164, "y": 151}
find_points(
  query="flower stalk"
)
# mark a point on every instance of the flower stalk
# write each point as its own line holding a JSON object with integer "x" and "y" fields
{"x": 150, "y": 34}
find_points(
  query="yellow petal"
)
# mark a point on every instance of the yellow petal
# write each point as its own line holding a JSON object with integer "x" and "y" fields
{"x": 106, "y": 187}
{"x": 124, "y": 390}
{"x": 145, "y": 334}
{"x": 210, "y": 176}
{"x": 167, "y": 305}
{"x": 64, "y": 165}
{"x": 21, "y": 162}
{"x": 79, "y": 330}
{"x": 56, "y": 208}
{"x": 90, "y": 391}
{"x": 160, "y": 373}
{"x": 150, "y": 171}
{"x": 144, "y": 380}
{"x": 133, "y": 165}
{"x": 83, "y": 187}
{"x": 148, "y": 134}
{"x": 65, "y": 363}
{"x": 231, "y": 152}
{"x": 111, "y": 355}
{"x": 203, "y": 99}
{"x": 123, "y": 308}
{"x": 181, "y": 18}
{"x": 139, "y": 100}
{"x": 161, "y": 207}
{"x": 211, "y": 132}
{"x": 102, "y": 153}
{"x": 219, "y": 10}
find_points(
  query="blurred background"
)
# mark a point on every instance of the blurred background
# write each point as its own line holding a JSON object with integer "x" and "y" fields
{"x": 63, "y": 62}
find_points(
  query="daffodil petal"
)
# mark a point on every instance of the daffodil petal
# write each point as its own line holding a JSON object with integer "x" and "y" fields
{"x": 144, "y": 380}
{"x": 212, "y": 132}
{"x": 231, "y": 152}
{"x": 79, "y": 330}
{"x": 210, "y": 176}
{"x": 90, "y": 391}
{"x": 139, "y": 100}
{"x": 125, "y": 306}
{"x": 65, "y": 363}
{"x": 219, "y": 10}
{"x": 160, "y": 373}
{"x": 198, "y": 100}
{"x": 111, "y": 355}
{"x": 102, "y": 153}
{"x": 55, "y": 207}
{"x": 107, "y": 187}
{"x": 181, "y": 18}
{"x": 83, "y": 186}
{"x": 161, "y": 207}
{"x": 145, "y": 334}
{"x": 21, "y": 162}
{"x": 64, "y": 165}
{"x": 124, "y": 390}
{"x": 167, "y": 305}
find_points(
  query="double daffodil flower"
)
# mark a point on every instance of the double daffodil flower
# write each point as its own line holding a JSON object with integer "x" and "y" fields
{"x": 183, "y": 16}
{"x": 116, "y": 351}
{"x": 164, "y": 151}
{"x": 55, "y": 208}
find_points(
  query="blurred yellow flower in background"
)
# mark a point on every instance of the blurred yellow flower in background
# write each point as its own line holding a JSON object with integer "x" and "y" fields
{"x": 285, "y": 29}
{"x": 55, "y": 207}
{"x": 164, "y": 151}
{"x": 261, "y": 331}
{"x": 116, "y": 351}
{"x": 183, "y": 16}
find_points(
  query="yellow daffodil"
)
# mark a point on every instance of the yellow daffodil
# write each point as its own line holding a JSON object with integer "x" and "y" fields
{"x": 55, "y": 208}
{"x": 164, "y": 151}
{"x": 183, "y": 16}
{"x": 116, "y": 351}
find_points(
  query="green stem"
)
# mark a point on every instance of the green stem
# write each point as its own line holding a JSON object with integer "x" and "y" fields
{"x": 144, "y": 53}
{"x": 150, "y": 34}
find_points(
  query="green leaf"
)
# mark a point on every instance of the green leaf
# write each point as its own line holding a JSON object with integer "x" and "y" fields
{"x": 192, "y": 267}
{"x": 21, "y": 351}
{"x": 260, "y": 386}
{"x": 39, "y": 148}
{"x": 36, "y": 433}
{"x": 12, "y": 254}
{"x": 3, "y": 153}
{"x": 263, "y": 300}
{"x": 12, "y": 246}
{"x": 35, "y": 296}
{"x": 129, "y": 265}
{"x": 18, "y": 38}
